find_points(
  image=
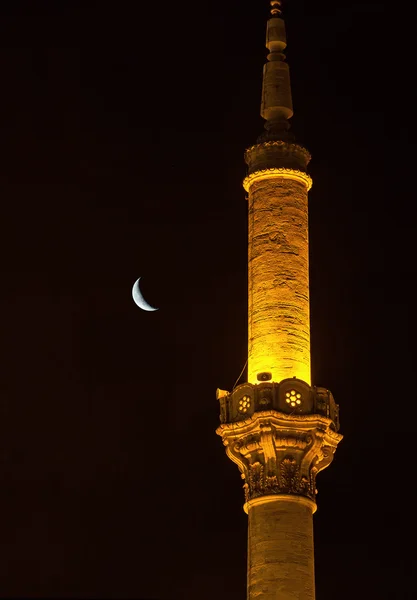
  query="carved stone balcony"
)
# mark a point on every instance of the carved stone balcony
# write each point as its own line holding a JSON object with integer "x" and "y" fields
{"x": 280, "y": 435}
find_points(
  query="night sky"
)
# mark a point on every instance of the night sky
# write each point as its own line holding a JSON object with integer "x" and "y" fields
{"x": 122, "y": 132}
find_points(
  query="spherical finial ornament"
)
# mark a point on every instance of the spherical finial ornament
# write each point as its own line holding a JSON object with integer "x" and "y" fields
{"x": 276, "y": 8}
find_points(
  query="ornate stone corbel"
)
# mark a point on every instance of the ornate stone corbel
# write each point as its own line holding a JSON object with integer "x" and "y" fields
{"x": 280, "y": 454}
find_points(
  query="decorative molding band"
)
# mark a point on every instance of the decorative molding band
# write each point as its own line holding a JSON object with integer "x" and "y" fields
{"x": 282, "y": 173}
{"x": 281, "y": 498}
{"x": 305, "y": 421}
{"x": 287, "y": 146}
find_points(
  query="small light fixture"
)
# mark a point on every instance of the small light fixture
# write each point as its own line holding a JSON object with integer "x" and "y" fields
{"x": 264, "y": 376}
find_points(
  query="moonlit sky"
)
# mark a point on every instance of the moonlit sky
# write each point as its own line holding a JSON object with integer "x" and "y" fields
{"x": 123, "y": 129}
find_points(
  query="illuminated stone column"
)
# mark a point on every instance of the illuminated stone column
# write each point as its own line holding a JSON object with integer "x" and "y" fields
{"x": 280, "y": 547}
{"x": 277, "y": 186}
{"x": 278, "y": 286}
{"x": 277, "y": 428}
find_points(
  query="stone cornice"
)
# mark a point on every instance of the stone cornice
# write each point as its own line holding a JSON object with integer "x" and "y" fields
{"x": 275, "y": 172}
{"x": 287, "y": 147}
{"x": 276, "y": 154}
{"x": 282, "y": 420}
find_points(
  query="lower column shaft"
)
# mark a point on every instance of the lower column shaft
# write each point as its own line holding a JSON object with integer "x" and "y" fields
{"x": 280, "y": 550}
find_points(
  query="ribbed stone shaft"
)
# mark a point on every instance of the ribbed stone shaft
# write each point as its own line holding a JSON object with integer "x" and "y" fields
{"x": 280, "y": 549}
{"x": 278, "y": 288}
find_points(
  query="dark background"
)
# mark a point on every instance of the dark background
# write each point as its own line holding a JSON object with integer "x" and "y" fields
{"x": 122, "y": 132}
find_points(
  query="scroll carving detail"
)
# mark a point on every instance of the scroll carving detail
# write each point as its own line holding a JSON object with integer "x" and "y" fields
{"x": 277, "y": 456}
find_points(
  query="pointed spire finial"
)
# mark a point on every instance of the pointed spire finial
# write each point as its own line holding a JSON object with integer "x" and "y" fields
{"x": 276, "y": 107}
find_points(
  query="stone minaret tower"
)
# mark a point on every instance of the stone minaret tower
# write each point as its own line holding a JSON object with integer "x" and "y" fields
{"x": 278, "y": 428}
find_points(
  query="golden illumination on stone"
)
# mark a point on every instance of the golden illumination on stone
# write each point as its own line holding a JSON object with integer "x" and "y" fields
{"x": 278, "y": 429}
{"x": 281, "y": 498}
{"x": 280, "y": 548}
{"x": 279, "y": 456}
{"x": 280, "y": 173}
{"x": 278, "y": 279}
{"x": 280, "y": 453}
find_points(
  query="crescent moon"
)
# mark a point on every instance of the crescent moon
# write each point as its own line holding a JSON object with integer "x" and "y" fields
{"x": 139, "y": 300}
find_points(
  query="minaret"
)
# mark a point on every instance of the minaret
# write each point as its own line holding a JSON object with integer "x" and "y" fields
{"x": 278, "y": 428}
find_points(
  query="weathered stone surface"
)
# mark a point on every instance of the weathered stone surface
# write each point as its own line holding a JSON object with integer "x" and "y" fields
{"x": 280, "y": 431}
{"x": 278, "y": 284}
{"x": 279, "y": 456}
{"x": 280, "y": 549}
